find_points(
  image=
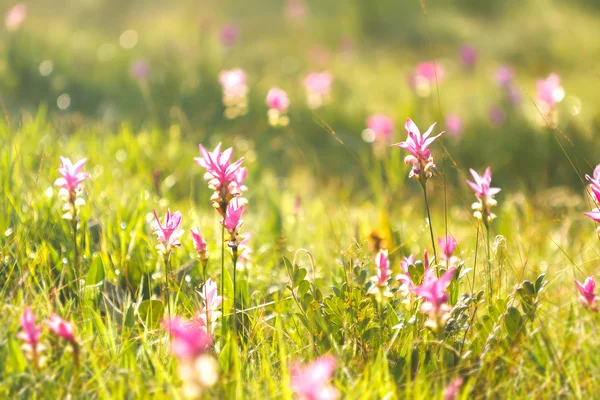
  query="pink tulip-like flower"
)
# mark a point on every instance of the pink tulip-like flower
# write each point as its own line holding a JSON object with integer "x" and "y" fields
{"x": 595, "y": 178}
{"x": 453, "y": 124}
{"x": 468, "y": 56}
{"x": 425, "y": 78}
{"x": 311, "y": 382}
{"x": 15, "y": 17}
{"x": 200, "y": 244}
{"x": 168, "y": 233}
{"x": 382, "y": 270}
{"x": 383, "y": 127}
{"x": 549, "y": 92}
{"x": 433, "y": 291}
{"x": 239, "y": 177}
{"x": 229, "y": 35}
{"x": 71, "y": 175}
{"x": 220, "y": 174}
{"x": 140, "y": 69}
{"x": 31, "y": 333}
{"x": 404, "y": 264}
{"x": 485, "y": 195}
{"x": 232, "y": 221}
{"x": 188, "y": 338}
{"x": 587, "y": 296}
{"x": 418, "y": 147}
{"x": 62, "y": 328}
{"x": 504, "y": 76}
{"x": 453, "y": 388}
{"x": 404, "y": 278}
{"x": 277, "y": 99}
{"x": 234, "y": 83}
{"x": 206, "y": 316}
{"x": 448, "y": 245}
{"x": 318, "y": 88}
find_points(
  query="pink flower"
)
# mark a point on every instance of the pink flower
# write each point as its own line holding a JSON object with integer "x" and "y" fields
{"x": 245, "y": 252}
{"x": 405, "y": 278}
{"x": 410, "y": 260}
{"x": 189, "y": 339}
{"x": 453, "y": 388}
{"x": 199, "y": 242}
{"x": 31, "y": 333}
{"x": 15, "y": 17}
{"x": 468, "y": 56}
{"x": 382, "y": 270}
{"x": 277, "y": 99}
{"x": 481, "y": 186}
{"x": 504, "y": 76}
{"x": 212, "y": 300}
{"x": 497, "y": 116}
{"x": 168, "y": 233}
{"x": 453, "y": 124}
{"x": 62, "y": 328}
{"x": 229, "y": 35}
{"x": 418, "y": 147}
{"x": 220, "y": 172}
{"x": 71, "y": 175}
{"x": 588, "y": 297}
{"x": 433, "y": 291}
{"x": 239, "y": 177}
{"x": 296, "y": 10}
{"x": 140, "y": 69}
{"x": 234, "y": 83}
{"x": 595, "y": 178}
{"x": 448, "y": 245}
{"x": 232, "y": 221}
{"x": 382, "y": 125}
{"x": 318, "y": 88}
{"x": 549, "y": 91}
{"x": 311, "y": 382}
{"x": 430, "y": 71}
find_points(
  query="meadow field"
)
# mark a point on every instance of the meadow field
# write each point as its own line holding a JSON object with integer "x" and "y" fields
{"x": 299, "y": 199}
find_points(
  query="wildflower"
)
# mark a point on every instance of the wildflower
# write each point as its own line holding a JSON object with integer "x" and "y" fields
{"x": 188, "y": 339}
{"x": 229, "y": 35}
{"x": 140, "y": 69}
{"x": 168, "y": 233}
{"x": 207, "y": 315}
{"x": 504, "y": 76}
{"x": 453, "y": 388}
{"x": 433, "y": 291}
{"x": 62, "y": 328}
{"x": 31, "y": 336}
{"x": 595, "y": 178}
{"x": 382, "y": 126}
{"x": 71, "y": 184}
{"x": 235, "y": 92}
{"x": 318, "y": 88}
{"x": 448, "y": 245}
{"x": 221, "y": 175}
{"x": 296, "y": 10}
{"x": 425, "y": 77}
{"x": 232, "y": 221}
{"x": 278, "y": 103}
{"x": 406, "y": 262}
{"x": 404, "y": 277}
{"x": 311, "y": 382}
{"x": 485, "y": 195}
{"x": 587, "y": 296}
{"x": 453, "y": 124}
{"x": 200, "y": 244}
{"x": 468, "y": 56}
{"x": 549, "y": 92}
{"x": 245, "y": 250}
{"x": 418, "y": 147}
{"x": 15, "y": 17}
{"x": 382, "y": 274}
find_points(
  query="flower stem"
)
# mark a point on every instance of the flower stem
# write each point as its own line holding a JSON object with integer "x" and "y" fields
{"x": 234, "y": 250}
{"x": 487, "y": 228}
{"x": 423, "y": 185}
{"x": 223, "y": 282}
{"x": 167, "y": 260}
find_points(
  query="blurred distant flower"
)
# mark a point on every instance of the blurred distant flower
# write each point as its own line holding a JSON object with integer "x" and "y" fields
{"x": 70, "y": 182}
{"x": 504, "y": 76}
{"x": 448, "y": 245}
{"x": 418, "y": 147}
{"x": 485, "y": 195}
{"x": 549, "y": 91}
{"x": 587, "y": 293}
{"x": 296, "y": 10}
{"x": 229, "y": 35}
{"x": 514, "y": 95}
{"x": 140, "y": 69}
{"x": 189, "y": 339}
{"x": 235, "y": 92}
{"x": 382, "y": 274}
{"x": 425, "y": 78}
{"x": 433, "y": 291}
{"x": 167, "y": 233}
{"x": 31, "y": 337}
{"x": 62, "y": 328}
{"x": 346, "y": 46}
{"x": 318, "y": 88}
{"x": 200, "y": 244}
{"x": 497, "y": 116}
{"x": 453, "y": 388}
{"x": 468, "y": 56}
{"x": 245, "y": 250}
{"x": 453, "y": 124}
{"x": 383, "y": 127}
{"x": 311, "y": 382}
{"x": 15, "y": 17}
{"x": 278, "y": 103}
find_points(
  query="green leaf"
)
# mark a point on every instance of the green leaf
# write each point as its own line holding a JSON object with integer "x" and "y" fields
{"x": 513, "y": 321}
{"x": 151, "y": 313}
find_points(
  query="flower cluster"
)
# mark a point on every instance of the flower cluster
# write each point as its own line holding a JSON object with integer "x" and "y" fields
{"x": 587, "y": 293}
{"x": 278, "y": 103}
{"x": 71, "y": 186}
{"x": 311, "y": 382}
{"x": 168, "y": 233}
{"x": 418, "y": 146}
{"x": 318, "y": 88}
{"x": 485, "y": 195}
{"x": 424, "y": 78}
{"x": 595, "y": 188}
{"x": 208, "y": 314}
{"x": 235, "y": 92}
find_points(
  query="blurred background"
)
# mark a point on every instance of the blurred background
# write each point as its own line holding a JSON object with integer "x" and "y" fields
{"x": 104, "y": 64}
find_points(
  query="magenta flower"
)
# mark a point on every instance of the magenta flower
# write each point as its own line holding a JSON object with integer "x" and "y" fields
{"x": 382, "y": 271}
{"x": 504, "y": 76}
{"x": 277, "y": 99}
{"x": 453, "y": 388}
{"x": 311, "y": 382}
{"x": 453, "y": 124}
{"x": 468, "y": 56}
{"x": 140, "y": 69}
{"x": 318, "y": 88}
{"x": 404, "y": 278}
{"x": 229, "y": 34}
{"x": 168, "y": 233}
{"x": 62, "y": 328}
{"x": 430, "y": 71}
{"x": 485, "y": 195}
{"x": 188, "y": 338}
{"x": 232, "y": 221}
{"x": 549, "y": 91}
{"x": 220, "y": 174}
{"x": 15, "y": 17}
{"x": 382, "y": 125}
{"x": 447, "y": 245}
{"x": 206, "y": 317}
{"x": 31, "y": 333}
{"x": 404, "y": 264}
{"x": 595, "y": 178}
{"x": 418, "y": 147}
{"x": 239, "y": 177}
{"x": 433, "y": 291}
{"x": 199, "y": 242}
{"x": 587, "y": 296}
{"x": 71, "y": 175}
